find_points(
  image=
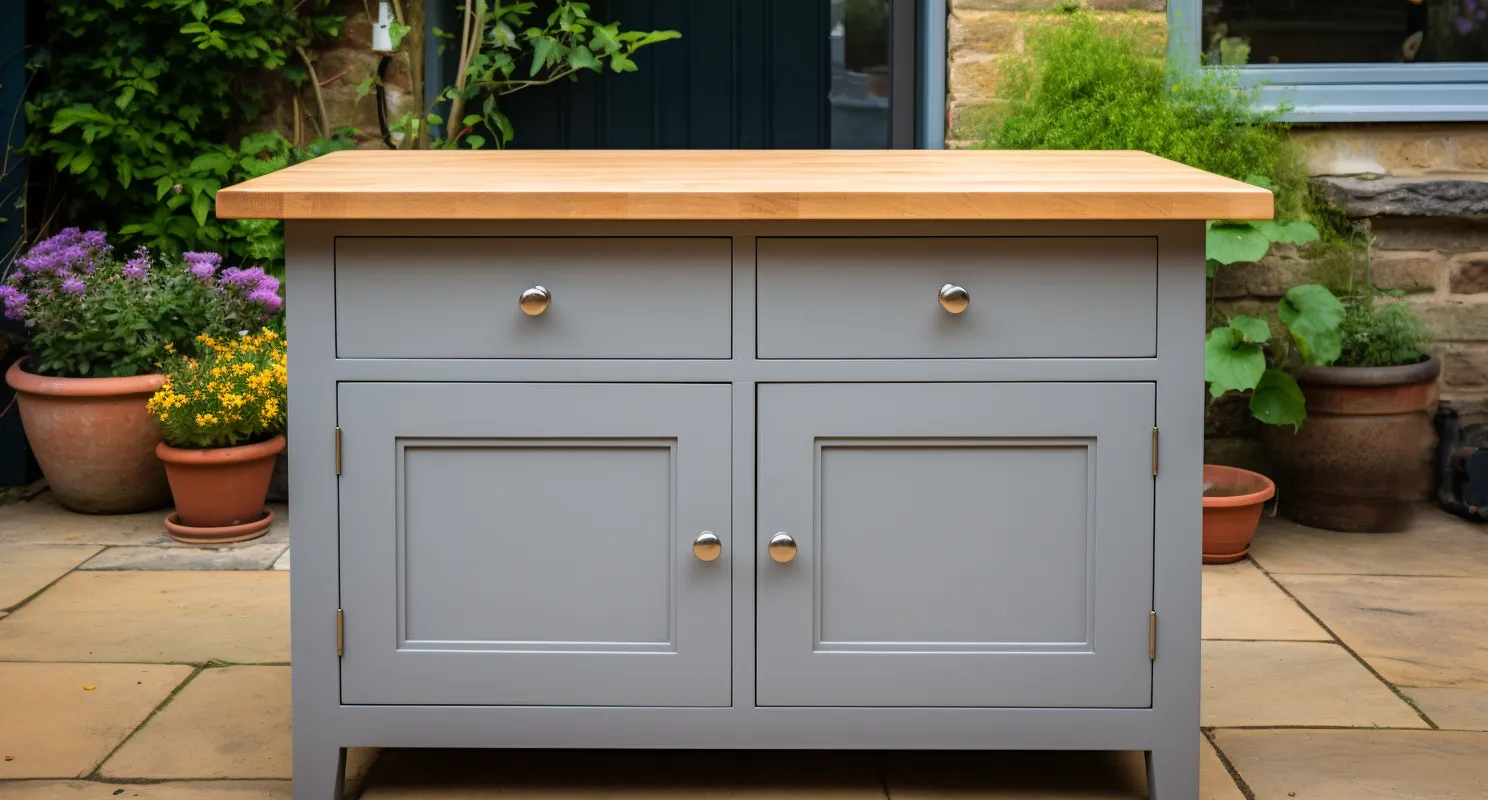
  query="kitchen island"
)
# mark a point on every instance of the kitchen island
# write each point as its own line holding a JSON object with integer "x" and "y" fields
{"x": 775, "y": 450}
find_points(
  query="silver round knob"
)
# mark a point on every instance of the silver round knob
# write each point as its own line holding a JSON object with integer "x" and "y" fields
{"x": 954, "y": 298}
{"x": 707, "y": 546}
{"x": 535, "y": 301}
{"x": 782, "y": 547}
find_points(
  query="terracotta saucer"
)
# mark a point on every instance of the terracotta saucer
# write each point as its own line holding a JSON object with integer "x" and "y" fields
{"x": 223, "y": 535}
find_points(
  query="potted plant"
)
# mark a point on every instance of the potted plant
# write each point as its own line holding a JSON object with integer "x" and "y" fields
{"x": 95, "y": 330}
{"x": 1364, "y": 456}
{"x": 222, "y": 416}
{"x": 1236, "y": 357}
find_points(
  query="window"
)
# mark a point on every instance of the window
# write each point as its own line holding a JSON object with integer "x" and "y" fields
{"x": 1346, "y": 60}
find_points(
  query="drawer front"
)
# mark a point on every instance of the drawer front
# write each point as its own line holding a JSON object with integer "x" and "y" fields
{"x": 1067, "y": 297}
{"x": 434, "y": 297}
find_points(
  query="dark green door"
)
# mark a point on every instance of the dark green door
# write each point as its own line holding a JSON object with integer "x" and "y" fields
{"x": 746, "y": 74}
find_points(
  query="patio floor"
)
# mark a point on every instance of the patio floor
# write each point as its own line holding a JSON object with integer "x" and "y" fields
{"x": 1335, "y": 666}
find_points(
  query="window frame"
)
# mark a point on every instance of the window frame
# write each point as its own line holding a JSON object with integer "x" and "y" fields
{"x": 1435, "y": 92}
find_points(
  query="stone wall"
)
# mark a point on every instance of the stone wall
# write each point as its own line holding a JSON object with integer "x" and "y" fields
{"x": 340, "y": 66}
{"x": 1422, "y": 187}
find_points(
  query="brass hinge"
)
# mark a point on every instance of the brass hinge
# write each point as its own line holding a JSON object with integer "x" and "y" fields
{"x": 340, "y": 633}
{"x": 338, "y": 449}
{"x": 1154, "y": 451}
{"x": 1152, "y": 637}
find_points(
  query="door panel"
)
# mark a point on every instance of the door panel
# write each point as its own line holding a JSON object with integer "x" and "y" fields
{"x": 530, "y": 544}
{"x": 957, "y": 544}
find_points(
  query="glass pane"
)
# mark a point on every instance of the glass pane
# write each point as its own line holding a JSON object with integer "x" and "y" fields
{"x": 1345, "y": 31}
{"x": 859, "y": 96}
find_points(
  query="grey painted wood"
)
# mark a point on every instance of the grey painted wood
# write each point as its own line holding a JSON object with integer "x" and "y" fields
{"x": 958, "y": 545}
{"x": 324, "y": 725}
{"x": 427, "y": 297}
{"x": 1030, "y": 297}
{"x": 530, "y": 544}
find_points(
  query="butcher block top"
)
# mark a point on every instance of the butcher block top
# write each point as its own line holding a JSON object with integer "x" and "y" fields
{"x": 743, "y": 185}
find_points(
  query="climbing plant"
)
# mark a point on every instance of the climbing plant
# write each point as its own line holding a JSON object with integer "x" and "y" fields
{"x": 140, "y": 104}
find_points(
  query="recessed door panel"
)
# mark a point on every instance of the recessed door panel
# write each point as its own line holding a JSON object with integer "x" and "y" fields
{"x": 956, "y": 544}
{"x": 531, "y": 544}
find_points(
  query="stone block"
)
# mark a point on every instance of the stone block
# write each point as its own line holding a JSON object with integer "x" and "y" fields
{"x": 1407, "y": 197}
{"x": 959, "y": 6}
{"x": 1230, "y": 416}
{"x": 1276, "y": 684}
{"x": 987, "y": 32}
{"x": 1412, "y": 271}
{"x": 1465, "y": 366}
{"x": 1236, "y": 452}
{"x": 1455, "y": 322}
{"x": 1127, "y": 5}
{"x": 973, "y": 78}
{"x": 1470, "y": 274}
{"x": 1407, "y": 154}
{"x": 973, "y": 122}
{"x": 1414, "y": 233}
{"x": 1353, "y": 765}
{"x": 1472, "y": 153}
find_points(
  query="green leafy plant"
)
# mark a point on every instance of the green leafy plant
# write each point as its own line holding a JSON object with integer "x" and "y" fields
{"x": 866, "y": 26}
{"x": 1380, "y": 332}
{"x": 504, "y": 50}
{"x": 138, "y": 102}
{"x": 1086, "y": 83}
{"x": 1239, "y": 356}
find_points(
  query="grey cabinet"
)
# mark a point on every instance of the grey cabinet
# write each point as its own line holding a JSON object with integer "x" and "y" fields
{"x": 503, "y": 547}
{"x": 972, "y": 544}
{"x": 531, "y": 544}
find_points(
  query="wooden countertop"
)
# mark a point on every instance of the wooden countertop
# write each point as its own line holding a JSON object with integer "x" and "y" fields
{"x": 743, "y": 185}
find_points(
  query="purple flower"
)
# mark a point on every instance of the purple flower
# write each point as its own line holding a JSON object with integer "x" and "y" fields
{"x": 242, "y": 277}
{"x": 268, "y": 283}
{"x": 202, "y": 265}
{"x": 73, "y": 285}
{"x": 69, "y": 250}
{"x": 1464, "y": 25}
{"x": 267, "y": 298}
{"x": 136, "y": 267}
{"x": 15, "y": 301}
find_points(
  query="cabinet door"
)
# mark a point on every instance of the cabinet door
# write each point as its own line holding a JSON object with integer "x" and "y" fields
{"x": 956, "y": 544}
{"x": 531, "y": 544}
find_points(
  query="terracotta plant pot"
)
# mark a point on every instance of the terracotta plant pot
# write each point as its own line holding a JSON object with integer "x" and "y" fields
{"x": 1363, "y": 456}
{"x": 1233, "y": 499}
{"x": 220, "y": 491}
{"x": 94, "y": 439}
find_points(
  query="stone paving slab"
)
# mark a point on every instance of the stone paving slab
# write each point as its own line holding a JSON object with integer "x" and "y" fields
{"x": 1295, "y": 683}
{"x": 53, "y": 726}
{"x": 1413, "y": 631}
{"x": 191, "y": 617}
{"x": 1452, "y": 709}
{"x": 1240, "y": 602}
{"x": 623, "y": 775}
{"x": 184, "y": 790}
{"x": 283, "y": 562}
{"x": 1215, "y": 782}
{"x": 26, "y": 569}
{"x": 247, "y": 555}
{"x": 43, "y": 521}
{"x": 1436, "y": 544}
{"x": 1360, "y": 765}
{"x": 227, "y": 723}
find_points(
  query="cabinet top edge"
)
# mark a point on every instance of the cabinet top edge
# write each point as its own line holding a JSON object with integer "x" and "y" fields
{"x": 743, "y": 185}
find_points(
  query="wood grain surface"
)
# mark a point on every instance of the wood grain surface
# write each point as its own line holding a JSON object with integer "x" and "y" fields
{"x": 744, "y": 185}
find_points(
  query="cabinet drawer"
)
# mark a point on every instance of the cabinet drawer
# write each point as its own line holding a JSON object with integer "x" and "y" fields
{"x": 1067, "y": 297}
{"x": 459, "y": 297}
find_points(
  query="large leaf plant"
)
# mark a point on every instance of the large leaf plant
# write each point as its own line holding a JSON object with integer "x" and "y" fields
{"x": 1242, "y": 356}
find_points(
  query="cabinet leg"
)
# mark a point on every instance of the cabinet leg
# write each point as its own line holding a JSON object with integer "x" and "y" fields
{"x": 319, "y": 771}
{"x": 1172, "y": 772}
